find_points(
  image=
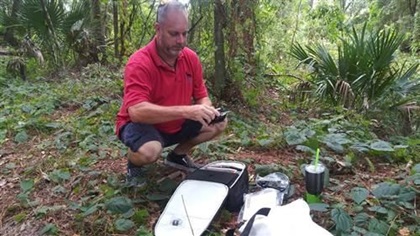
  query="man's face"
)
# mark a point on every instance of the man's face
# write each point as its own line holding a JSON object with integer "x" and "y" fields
{"x": 172, "y": 33}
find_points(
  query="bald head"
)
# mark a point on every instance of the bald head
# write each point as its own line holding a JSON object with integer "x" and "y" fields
{"x": 166, "y": 8}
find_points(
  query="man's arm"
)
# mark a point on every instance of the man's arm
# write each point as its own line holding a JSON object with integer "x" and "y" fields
{"x": 146, "y": 112}
{"x": 204, "y": 101}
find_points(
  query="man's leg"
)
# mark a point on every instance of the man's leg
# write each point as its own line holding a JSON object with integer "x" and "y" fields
{"x": 148, "y": 153}
{"x": 206, "y": 133}
{"x": 145, "y": 145}
{"x": 192, "y": 133}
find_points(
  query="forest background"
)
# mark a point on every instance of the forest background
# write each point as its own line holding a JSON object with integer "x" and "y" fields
{"x": 338, "y": 75}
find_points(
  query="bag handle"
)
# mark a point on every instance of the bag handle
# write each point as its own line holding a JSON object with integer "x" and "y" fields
{"x": 263, "y": 211}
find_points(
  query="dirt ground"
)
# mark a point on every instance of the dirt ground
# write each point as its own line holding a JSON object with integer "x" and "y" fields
{"x": 14, "y": 160}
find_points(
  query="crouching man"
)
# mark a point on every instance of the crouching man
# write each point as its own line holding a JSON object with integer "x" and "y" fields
{"x": 165, "y": 98}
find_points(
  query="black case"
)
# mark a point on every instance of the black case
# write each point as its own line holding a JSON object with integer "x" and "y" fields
{"x": 199, "y": 198}
{"x": 230, "y": 173}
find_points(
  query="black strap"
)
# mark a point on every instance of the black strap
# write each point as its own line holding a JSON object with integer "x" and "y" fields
{"x": 263, "y": 211}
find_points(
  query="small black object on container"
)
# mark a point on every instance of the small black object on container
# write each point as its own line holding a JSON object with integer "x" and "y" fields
{"x": 221, "y": 117}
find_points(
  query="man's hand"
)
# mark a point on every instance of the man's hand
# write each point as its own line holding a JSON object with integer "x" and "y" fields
{"x": 202, "y": 113}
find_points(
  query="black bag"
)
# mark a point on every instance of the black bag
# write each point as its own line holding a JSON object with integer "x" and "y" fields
{"x": 230, "y": 173}
{"x": 214, "y": 186}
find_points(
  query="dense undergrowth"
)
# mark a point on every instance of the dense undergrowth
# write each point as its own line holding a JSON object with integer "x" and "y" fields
{"x": 55, "y": 132}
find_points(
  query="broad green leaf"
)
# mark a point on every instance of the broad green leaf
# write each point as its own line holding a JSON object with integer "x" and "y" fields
{"x": 391, "y": 215}
{"x": 26, "y": 108}
{"x": 59, "y": 176}
{"x": 340, "y": 138}
{"x": 358, "y": 208}
{"x": 21, "y": 137}
{"x": 3, "y": 136}
{"x": 119, "y": 205}
{"x": 168, "y": 185}
{"x": 90, "y": 210}
{"x": 20, "y": 217}
{"x": 157, "y": 197}
{"x": 27, "y": 185}
{"x": 336, "y": 147}
{"x": 140, "y": 217}
{"x": 49, "y": 229}
{"x": 373, "y": 234}
{"x": 322, "y": 207}
{"x": 359, "y": 194}
{"x": 10, "y": 166}
{"x": 406, "y": 195}
{"x": 357, "y": 231}
{"x": 143, "y": 231}
{"x": 308, "y": 132}
{"x": 342, "y": 220}
{"x": 41, "y": 211}
{"x": 23, "y": 197}
{"x": 378, "y": 209}
{"x": 295, "y": 138}
{"x": 53, "y": 125}
{"x": 59, "y": 189}
{"x": 381, "y": 145}
{"x": 304, "y": 148}
{"x": 361, "y": 219}
{"x": 128, "y": 214}
{"x": 407, "y": 205}
{"x": 360, "y": 147}
{"x": 416, "y": 169}
{"x": 378, "y": 226}
{"x": 386, "y": 189}
{"x": 265, "y": 142}
{"x": 123, "y": 224}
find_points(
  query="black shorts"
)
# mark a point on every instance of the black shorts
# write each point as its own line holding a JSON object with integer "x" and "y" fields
{"x": 134, "y": 135}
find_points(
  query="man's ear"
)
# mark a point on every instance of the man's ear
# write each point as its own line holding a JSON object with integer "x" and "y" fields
{"x": 157, "y": 27}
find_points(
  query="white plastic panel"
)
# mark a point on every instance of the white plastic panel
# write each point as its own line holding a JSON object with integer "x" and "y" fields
{"x": 202, "y": 201}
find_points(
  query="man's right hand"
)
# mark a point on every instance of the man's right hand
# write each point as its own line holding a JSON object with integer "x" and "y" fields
{"x": 202, "y": 113}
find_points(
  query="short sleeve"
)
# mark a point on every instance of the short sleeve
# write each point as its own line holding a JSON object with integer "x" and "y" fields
{"x": 137, "y": 85}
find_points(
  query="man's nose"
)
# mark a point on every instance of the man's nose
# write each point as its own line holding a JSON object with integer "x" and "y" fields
{"x": 180, "y": 39}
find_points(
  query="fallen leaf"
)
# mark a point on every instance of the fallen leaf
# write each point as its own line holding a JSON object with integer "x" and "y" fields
{"x": 404, "y": 232}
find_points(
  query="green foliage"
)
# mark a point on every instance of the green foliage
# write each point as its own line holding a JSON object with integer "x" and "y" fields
{"x": 394, "y": 203}
{"x": 328, "y": 21}
{"x": 359, "y": 194}
{"x": 49, "y": 229}
{"x": 346, "y": 137}
{"x": 363, "y": 72}
{"x": 123, "y": 224}
{"x": 119, "y": 205}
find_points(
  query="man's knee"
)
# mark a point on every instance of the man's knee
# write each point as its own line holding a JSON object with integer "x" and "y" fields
{"x": 147, "y": 153}
{"x": 220, "y": 127}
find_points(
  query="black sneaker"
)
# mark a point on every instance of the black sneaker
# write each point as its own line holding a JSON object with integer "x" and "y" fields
{"x": 181, "y": 162}
{"x": 135, "y": 176}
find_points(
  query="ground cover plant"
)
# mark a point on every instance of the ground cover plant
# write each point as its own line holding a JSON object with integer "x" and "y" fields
{"x": 62, "y": 168}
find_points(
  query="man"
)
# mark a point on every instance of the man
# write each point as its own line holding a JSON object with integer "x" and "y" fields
{"x": 165, "y": 99}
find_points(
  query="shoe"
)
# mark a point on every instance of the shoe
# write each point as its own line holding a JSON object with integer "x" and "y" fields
{"x": 181, "y": 162}
{"x": 135, "y": 176}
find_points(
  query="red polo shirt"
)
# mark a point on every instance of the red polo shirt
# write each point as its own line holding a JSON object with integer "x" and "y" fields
{"x": 148, "y": 79}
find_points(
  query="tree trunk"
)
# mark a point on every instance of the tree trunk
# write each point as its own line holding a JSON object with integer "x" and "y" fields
{"x": 219, "y": 53}
{"x": 123, "y": 26}
{"x": 248, "y": 26}
{"x": 9, "y": 35}
{"x": 416, "y": 30}
{"x": 116, "y": 23}
{"x": 98, "y": 46}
